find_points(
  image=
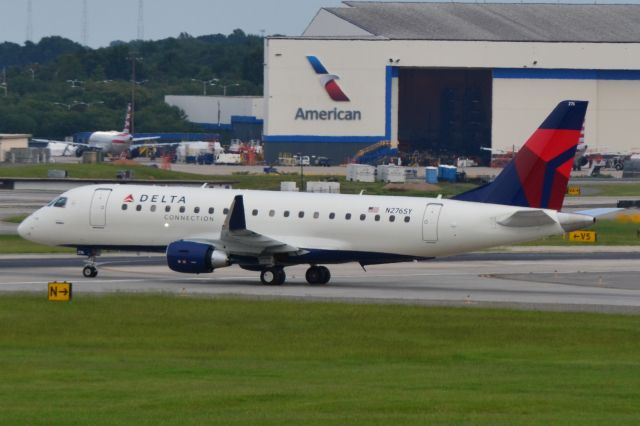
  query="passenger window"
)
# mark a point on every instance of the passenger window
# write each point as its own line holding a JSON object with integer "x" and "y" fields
{"x": 138, "y": 207}
{"x": 347, "y": 216}
{"x": 210, "y": 210}
{"x": 196, "y": 210}
{"x": 272, "y": 213}
{"x": 225, "y": 211}
{"x": 392, "y": 218}
{"x": 153, "y": 207}
{"x": 255, "y": 212}
{"x": 167, "y": 208}
{"x": 363, "y": 216}
{"x": 60, "y": 202}
{"x": 332, "y": 215}
{"x": 316, "y": 215}
{"x": 124, "y": 207}
{"x": 300, "y": 214}
{"x": 286, "y": 213}
{"x": 377, "y": 218}
{"x": 182, "y": 209}
{"x": 407, "y": 219}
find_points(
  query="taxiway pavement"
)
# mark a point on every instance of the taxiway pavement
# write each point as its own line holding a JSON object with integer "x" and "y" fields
{"x": 603, "y": 282}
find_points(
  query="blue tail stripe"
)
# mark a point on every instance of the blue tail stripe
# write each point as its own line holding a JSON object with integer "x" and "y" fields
{"x": 568, "y": 115}
{"x": 550, "y": 172}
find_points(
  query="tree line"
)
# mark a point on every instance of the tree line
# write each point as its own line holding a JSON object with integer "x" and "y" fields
{"x": 56, "y": 87}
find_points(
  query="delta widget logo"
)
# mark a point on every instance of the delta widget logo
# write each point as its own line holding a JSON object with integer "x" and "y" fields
{"x": 128, "y": 199}
{"x": 328, "y": 81}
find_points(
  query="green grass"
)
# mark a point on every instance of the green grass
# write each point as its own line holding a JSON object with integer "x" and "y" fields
{"x": 126, "y": 359}
{"x": 610, "y": 233}
{"x": 14, "y": 244}
{"x": 611, "y": 189}
{"x": 14, "y": 219}
{"x": 241, "y": 180}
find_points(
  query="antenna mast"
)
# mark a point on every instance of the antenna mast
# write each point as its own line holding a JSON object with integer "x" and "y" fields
{"x": 29, "y": 21}
{"x": 140, "y": 20}
{"x": 85, "y": 34}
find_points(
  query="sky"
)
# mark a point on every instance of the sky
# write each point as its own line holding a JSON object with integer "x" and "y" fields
{"x": 110, "y": 20}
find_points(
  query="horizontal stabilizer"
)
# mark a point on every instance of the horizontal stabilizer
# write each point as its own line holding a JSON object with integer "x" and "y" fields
{"x": 603, "y": 211}
{"x": 526, "y": 218}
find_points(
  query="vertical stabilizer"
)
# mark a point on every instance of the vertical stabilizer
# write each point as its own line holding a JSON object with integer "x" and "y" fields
{"x": 127, "y": 120}
{"x": 538, "y": 175}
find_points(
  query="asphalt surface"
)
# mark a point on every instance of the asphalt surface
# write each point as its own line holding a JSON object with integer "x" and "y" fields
{"x": 601, "y": 282}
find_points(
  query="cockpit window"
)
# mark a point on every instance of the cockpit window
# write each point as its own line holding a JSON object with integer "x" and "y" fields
{"x": 59, "y": 202}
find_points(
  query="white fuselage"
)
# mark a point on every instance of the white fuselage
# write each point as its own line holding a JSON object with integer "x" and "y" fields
{"x": 138, "y": 217}
{"x": 112, "y": 142}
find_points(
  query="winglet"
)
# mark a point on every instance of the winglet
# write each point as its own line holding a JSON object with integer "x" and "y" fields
{"x": 235, "y": 220}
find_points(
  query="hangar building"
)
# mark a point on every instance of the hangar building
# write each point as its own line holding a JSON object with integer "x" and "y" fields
{"x": 450, "y": 77}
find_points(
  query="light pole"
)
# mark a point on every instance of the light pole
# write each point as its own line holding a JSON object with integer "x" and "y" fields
{"x": 133, "y": 59}
{"x": 206, "y": 83}
{"x": 4, "y": 81}
{"x": 301, "y": 172}
{"x": 75, "y": 83}
{"x": 224, "y": 87}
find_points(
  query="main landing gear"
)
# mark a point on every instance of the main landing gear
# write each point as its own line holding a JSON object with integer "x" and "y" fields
{"x": 275, "y": 275}
{"x": 318, "y": 275}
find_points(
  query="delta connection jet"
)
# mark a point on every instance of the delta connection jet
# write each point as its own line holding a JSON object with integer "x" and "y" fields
{"x": 203, "y": 229}
{"x": 110, "y": 142}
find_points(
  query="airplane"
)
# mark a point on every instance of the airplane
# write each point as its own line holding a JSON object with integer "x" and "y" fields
{"x": 203, "y": 229}
{"x": 110, "y": 142}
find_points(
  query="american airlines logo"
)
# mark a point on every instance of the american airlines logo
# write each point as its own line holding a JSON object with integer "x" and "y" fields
{"x": 328, "y": 81}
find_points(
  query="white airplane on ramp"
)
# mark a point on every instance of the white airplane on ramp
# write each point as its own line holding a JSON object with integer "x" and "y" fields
{"x": 110, "y": 142}
{"x": 203, "y": 229}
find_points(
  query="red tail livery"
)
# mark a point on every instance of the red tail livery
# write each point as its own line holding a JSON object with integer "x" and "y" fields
{"x": 538, "y": 175}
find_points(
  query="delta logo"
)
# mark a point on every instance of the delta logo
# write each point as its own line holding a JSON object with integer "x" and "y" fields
{"x": 128, "y": 199}
{"x": 328, "y": 81}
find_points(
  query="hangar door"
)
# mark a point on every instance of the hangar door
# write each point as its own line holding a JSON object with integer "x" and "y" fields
{"x": 446, "y": 112}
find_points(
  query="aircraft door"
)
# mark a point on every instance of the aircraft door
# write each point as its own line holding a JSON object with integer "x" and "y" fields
{"x": 430, "y": 222}
{"x": 98, "y": 215}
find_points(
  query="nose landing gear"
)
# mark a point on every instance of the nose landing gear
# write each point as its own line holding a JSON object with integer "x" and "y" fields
{"x": 90, "y": 270}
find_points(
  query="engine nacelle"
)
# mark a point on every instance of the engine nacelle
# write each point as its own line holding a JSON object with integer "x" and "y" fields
{"x": 195, "y": 258}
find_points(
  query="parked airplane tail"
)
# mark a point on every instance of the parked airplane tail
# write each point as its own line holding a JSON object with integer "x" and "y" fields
{"x": 127, "y": 120}
{"x": 538, "y": 175}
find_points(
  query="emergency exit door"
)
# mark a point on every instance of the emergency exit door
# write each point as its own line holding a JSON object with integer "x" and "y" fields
{"x": 98, "y": 215}
{"x": 430, "y": 222}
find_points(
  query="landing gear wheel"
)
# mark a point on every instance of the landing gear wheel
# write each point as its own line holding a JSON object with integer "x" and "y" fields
{"x": 326, "y": 275}
{"x": 318, "y": 275}
{"x": 89, "y": 271}
{"x": 273, "y": 276}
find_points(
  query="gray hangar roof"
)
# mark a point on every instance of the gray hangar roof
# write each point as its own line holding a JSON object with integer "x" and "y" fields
{"x": 598, "y": 23}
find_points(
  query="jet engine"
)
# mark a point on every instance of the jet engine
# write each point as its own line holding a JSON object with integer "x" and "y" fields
{"x": 195, "y": 258}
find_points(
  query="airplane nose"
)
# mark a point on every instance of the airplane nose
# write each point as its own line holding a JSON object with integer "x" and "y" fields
{"x": 23, "y": 228}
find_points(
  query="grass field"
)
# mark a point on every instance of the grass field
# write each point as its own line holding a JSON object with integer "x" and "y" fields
{"x": 240, "y": 180}
{"x": 126, "y": 359}
{"x": 610, "y": 233}
{"x": 14, "y": 244}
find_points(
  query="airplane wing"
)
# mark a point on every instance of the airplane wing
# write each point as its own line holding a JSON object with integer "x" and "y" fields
{"x": 55, "y": 141}
{"x": 236, "y": 240}
{"x": 146, "y": 138}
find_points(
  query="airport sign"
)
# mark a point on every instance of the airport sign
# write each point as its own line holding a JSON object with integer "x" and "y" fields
{"x": 59, "y": 292}
{"x": 573, "y": 190}
{"x": 583, "y": 236}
